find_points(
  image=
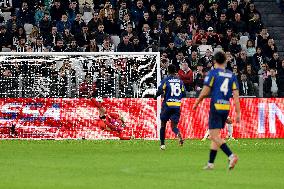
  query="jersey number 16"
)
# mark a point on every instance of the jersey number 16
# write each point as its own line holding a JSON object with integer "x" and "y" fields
{"x": 175, "y": 89}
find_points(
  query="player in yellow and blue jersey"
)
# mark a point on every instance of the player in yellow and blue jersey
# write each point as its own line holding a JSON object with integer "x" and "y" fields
{"x": 173, "y": 89}
{"x": 221, "y": 84}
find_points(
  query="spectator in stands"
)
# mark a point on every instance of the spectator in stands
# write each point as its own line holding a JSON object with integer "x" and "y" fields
{"x": 237, "y": 73}
{"x": 123, "y": 10}
{"x": 129, "y": 31}
{"x": 166, "y": 37}
{"x": 125, "y": 45}
{"x": 51, "y": 38}
{"x": 201, "y": 12}
{"x": 212, "y": 37}
{"x": 56, "y": 11}
{"x": 14, "y": 23}
{"x": 160, "y": 23}
{"x": 73, "y": 47}
{"x": 271, "y": 85}
{"x": 263, "y": 72}
{"x": 64, "y": 23}
{"x": 242, "y": 60}
{"x": 147, "y": 37}
{"x": 198, "y": 78}
{"x": 19, "y": 33}
{"x": 45, "y": 24}
{"x": 25, "y": 14}
{"x": 105, "y": 10}
{"x": 233, "y": 10}
{"x": 280, "y": 70}
{"x": 207, "y": 22}
{"x": 83, "y": 38}
{"x": 165, "y": 62}
{"x": 188, "y": 48}
{"x": 170, "y": 14}
{"x": 239, "y": 26}
{"x": 207, "y": 59}
{"x": 246, "y": 86}
{"x": 106, "y": 46}
{"x": 251, "y": 74}
{"x": 258, "y": 59}
{"x": 234, "y": 47}
{"x": 60, "y": 47}
{"x": 177, "y": 25}
{"x": 186, "y": 75}
{"x": 138, "y": 47}
{"x": 198, "y": 36}
{"x": 39, "y": 13}
{"x": 274, "y": 61}
{"x": 33, "y": 35}
{"x": 125, "y": 22}
{"x": 231, "y": 60}
{"x": 92, "y": 47}
{"x": 193, "y": 59}
{"x": 87, "y": 87}
{"x": 269, "y": 48}
{"x": 262, "y": 38}
{"x": 137, "y": 12}
{"x": 226, "y": 39}
{"x": 93, "y": 24}
{"x": 192, "y": 24}
{"x": 38, "y": 45}
{"x": 249, "y": 12}
{"x": 67, "y": 37}
{"x": 100, "y": 34}
{"x": 77, "y": 24}
{"x": 21, "y": 47}
{"x": 111, "y": 26}
{"x": 250, "y": 48}
{"x": 255, "y": 25}
{"x": 223, "y": 24}
{"x": 146, "y": 20}
{"x": 180, "y": 39}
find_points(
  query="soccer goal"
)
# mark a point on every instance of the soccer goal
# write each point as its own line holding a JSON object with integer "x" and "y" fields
{"x": 38, "y": 89}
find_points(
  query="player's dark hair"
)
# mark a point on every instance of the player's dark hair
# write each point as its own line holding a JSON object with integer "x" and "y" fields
{"x": 220, "y": 57}
{"x": 172, "y": 69}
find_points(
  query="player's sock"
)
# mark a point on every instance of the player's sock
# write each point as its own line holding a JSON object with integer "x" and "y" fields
{"x": 175, "y": 130}
{"x": 226, "y": 149}
{"x": 162, "y": 135}
{"x": 230, "y": 130}
{"x": 212, "y": 156}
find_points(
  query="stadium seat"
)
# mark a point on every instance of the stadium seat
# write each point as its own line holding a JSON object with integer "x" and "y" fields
{"x": 28, "y": 28}
{"x": 243, "y": 41}
{"x": 6, "y": 49}
{"x": 6, "y": 15}
{"x": 115, "y": 40}
{"x": 87, "y": 16}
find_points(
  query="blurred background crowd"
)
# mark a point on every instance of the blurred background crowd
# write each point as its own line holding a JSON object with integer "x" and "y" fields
{"x": 186, "y": 32}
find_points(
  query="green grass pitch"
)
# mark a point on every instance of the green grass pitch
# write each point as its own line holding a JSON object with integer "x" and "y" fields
{"x": 138, "y": 164}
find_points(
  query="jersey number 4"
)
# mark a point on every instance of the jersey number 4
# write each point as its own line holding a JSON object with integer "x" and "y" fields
{"x": 225, "y": 86}
{"x": 175, "y": 89}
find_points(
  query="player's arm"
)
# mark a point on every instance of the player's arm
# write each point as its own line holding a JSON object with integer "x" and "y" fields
{"x": 183, "y": 90}
{"x": 237, "y": 104}
{"x": 235, "y": 88}
{"x": 204, "y": 93}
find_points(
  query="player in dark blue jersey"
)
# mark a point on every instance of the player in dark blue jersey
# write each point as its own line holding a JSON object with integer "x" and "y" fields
{"x": 221, "y": 84}
{"x": 173, "y": 89}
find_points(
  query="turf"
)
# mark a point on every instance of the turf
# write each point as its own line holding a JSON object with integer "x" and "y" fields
{"x": 137, "y": 164}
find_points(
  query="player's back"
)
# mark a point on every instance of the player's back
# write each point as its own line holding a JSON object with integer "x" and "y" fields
{"x": 222, "y": 83}
{"x": 174, "y": 90}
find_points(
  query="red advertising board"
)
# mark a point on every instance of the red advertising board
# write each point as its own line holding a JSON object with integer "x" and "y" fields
{"x": 61, "y": 118}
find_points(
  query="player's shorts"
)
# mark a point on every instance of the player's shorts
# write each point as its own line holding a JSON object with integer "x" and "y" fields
{"x": 217, "y": 120}
{"x": 172, "y": 114}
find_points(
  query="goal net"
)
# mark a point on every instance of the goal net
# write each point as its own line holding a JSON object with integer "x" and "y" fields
{"x": 37, "y": 90}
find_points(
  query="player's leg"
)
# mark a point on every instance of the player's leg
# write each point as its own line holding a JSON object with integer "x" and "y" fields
{"x": 230, "y": 128}
{"x": 212, "y": 155}
{"x": 163, "y": 134}
{"x": 206, "y": 135}
{"x": 175, "y": 115}
{"x": 164, "y": 116}
{"x": 215, "y": 137}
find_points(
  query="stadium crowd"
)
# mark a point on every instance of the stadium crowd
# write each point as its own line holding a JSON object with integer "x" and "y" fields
{"x": 186, "y": 32}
